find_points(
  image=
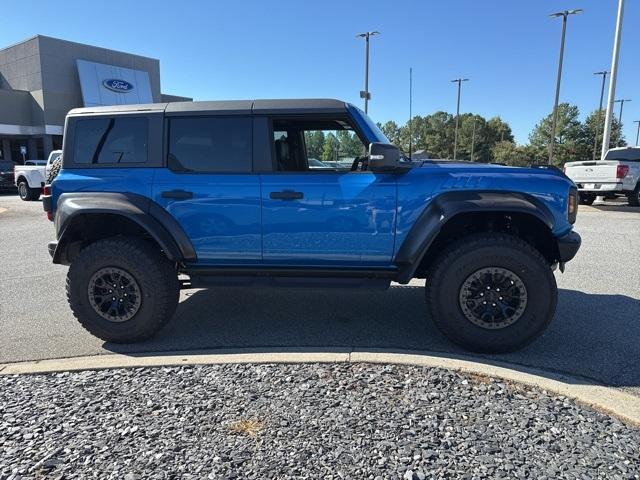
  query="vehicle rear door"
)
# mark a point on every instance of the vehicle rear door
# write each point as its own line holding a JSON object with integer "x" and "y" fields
{"x": 209, "y": 187}
{"x": 315, "y": 209}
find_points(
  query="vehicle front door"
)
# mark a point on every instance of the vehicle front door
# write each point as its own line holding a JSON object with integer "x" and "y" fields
{"x": 316, "y": 210}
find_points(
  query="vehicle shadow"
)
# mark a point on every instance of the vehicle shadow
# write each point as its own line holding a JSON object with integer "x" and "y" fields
{"x": 615, "y": 207}
{"x": 594, "y": 336}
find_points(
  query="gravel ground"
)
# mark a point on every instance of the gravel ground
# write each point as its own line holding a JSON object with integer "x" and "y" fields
{"x": 301, "y": 421}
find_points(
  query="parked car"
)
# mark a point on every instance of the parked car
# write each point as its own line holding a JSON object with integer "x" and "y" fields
{"x": 6, "y": 176}
{"x": 202, "y": 190}
{"x": 29, "y": 178}
{"x": 617, "y": 175}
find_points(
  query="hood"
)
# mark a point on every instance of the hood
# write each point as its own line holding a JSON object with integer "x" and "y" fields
{"x": 499, "y": 168}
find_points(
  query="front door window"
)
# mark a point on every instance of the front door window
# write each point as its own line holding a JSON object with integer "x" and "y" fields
{"x": 321, "y": 206}
{"x": 329, "y": 145}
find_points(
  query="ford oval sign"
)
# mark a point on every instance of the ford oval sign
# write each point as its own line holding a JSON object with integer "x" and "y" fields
{"x": 119, "y": 86}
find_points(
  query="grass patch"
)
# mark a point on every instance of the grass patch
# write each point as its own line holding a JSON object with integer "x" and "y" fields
{"x": 250, "y": 428}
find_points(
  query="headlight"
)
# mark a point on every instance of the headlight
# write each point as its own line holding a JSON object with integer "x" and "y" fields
{"x": 572, "y": 207}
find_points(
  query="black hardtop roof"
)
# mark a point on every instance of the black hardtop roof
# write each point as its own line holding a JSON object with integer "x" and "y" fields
{"x": 226, "y": 107}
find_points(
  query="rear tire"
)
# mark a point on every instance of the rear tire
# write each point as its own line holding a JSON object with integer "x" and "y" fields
{"x": 634, "y": 197}
{"x": 498, "y": 259}
{"x": 26, "y": 193}
{"x": 587, "y": 198}
{"x": 134, "y": 265}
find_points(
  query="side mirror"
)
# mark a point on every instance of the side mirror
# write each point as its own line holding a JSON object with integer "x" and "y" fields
{"x": 383, "y": 157}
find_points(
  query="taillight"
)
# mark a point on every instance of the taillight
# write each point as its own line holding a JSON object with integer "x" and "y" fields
{"x": 46, "y": 190}
{"x": 572, "y": 205}
{"x": 622, "y": 171}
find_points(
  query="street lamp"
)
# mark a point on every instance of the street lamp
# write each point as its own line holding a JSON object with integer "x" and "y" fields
{"x": 410, "y": 111}
{"x": 473, "y": 137}
{"x": 604, "y": 78}
{"x": 365, "y": 93}
{"x": 455, "y": 141}
{"x": 621, "y": 102}
{"x": 615, "y": 55}
{"x": 564, "y": 16}
{"x": 638, "y": 133}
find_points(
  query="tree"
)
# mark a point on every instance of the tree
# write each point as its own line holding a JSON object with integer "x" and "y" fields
{"x": 509, "y": 153}
{"x": 330, "y": 148}
{"x": 570, "y": 144}
{"x": 434, "y": 133}
{"x": 315, "y": 143}
{"x": 594, "y": 125}
{"x": 350, "y": 144}
{"x": 574, "y": 139}
{"x": 391, "y": 131}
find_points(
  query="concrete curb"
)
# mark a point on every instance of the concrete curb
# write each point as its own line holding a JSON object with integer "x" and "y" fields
{"x": 605, "y": 399}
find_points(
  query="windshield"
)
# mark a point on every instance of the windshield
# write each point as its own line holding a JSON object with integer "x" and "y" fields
{"x": 372, "y": 131}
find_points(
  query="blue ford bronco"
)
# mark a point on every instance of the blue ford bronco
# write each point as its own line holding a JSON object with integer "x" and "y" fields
{"x": 153, "y": 198}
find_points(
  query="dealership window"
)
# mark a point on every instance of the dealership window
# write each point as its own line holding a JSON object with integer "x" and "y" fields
{"x": 57, "y": 142}
{"x": 208, "y": 144}
{"x": 39, "y": 149}
{"x": 111, "y": 140}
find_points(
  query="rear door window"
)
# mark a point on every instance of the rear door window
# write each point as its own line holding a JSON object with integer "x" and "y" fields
{"x": 111, "y": 140}
{"x": 210, "y": 144}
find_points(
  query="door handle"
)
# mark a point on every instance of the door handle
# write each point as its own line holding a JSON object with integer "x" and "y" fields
{"x": 286, "y": 195}
{"x": 177, "y": 194}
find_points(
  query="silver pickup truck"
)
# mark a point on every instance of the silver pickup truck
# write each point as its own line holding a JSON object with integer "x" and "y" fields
{"x": 617, "y": 174}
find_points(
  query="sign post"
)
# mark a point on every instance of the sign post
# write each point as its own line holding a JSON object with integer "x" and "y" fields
{"x": 23, "y": 152}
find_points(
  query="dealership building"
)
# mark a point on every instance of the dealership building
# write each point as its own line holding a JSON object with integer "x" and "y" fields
{"x": 42, "y": 78}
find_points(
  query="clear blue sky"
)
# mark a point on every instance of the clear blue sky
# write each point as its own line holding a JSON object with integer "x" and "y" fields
{"x": 263, "y": 49}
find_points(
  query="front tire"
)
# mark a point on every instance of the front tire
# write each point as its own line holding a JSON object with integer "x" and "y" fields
{"x": 122, "y": 289}
{"x": 491, "y": 293}
{"x": 26, "y": 193}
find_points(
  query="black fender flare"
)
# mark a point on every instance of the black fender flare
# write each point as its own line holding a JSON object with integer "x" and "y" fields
{"x": 144, "y": 212}
{"x": 447, "y": 205}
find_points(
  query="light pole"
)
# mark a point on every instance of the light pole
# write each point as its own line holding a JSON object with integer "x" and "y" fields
{"x": 564, "y": 16}
{"x": 604, "y": 78}
{"x": 606, "y": 136}
{"x": 410, "y": 110}
{"x": 621, "y": 102}
{"x": 638, "y": 133}
{"x": 365, "y": 93}
{"x": 455, "y": 140}
{"x": 473, "y": 137}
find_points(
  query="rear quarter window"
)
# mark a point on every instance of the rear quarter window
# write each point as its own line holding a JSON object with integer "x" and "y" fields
{"x": 111, "y": 140}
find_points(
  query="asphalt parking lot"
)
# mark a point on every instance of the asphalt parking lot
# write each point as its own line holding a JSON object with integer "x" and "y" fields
{"x": 595, "y": 335}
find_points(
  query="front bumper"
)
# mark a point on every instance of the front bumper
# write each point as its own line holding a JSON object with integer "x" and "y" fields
{"x": 568, "y": 246}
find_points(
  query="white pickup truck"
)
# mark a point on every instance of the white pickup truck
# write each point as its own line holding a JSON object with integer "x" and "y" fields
{"x": 31, "y": 177}
{"x": 617, "y": 174}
